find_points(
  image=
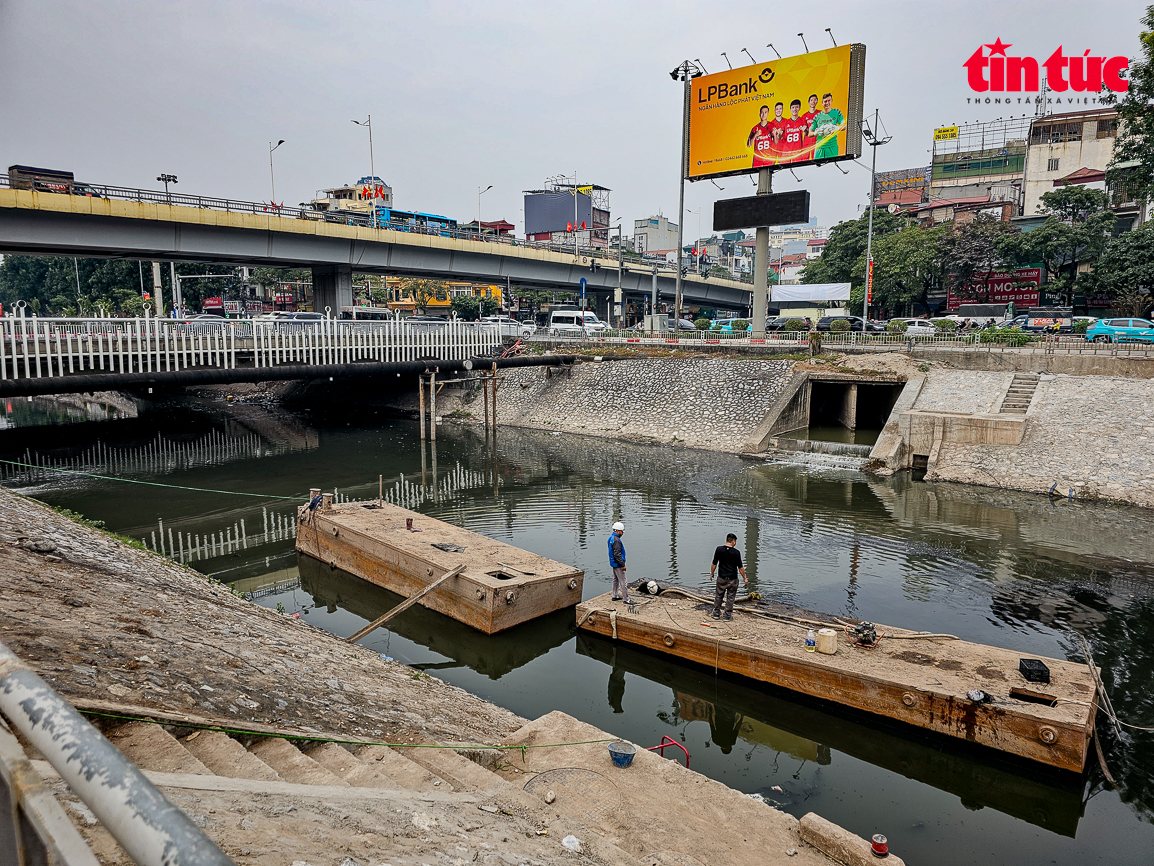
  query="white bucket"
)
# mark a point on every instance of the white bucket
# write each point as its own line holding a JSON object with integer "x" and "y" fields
{"x": 827, "y": 641}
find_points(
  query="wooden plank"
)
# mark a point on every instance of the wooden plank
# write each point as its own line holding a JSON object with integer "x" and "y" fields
{"x": 404, "y": 605}
{"x": 920, "y": 682}
{"x": 502, "y": 586}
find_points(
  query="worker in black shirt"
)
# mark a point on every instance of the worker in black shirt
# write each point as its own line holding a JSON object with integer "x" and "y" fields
{"x": 727, "y": 562}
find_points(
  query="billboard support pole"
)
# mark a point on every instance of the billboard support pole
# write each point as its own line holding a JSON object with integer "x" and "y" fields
{"x": 761, "y": 259}
{"x": 681, "y": 200}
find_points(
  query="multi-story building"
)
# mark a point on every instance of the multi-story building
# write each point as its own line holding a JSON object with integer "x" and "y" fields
{"x": 567, "y": 212}
{"x": 979, "y": 159}
{"x": 400, "y": 298}
{"x": 1073, "y": 147}
{"x": 365, "y": 194}
{"x": 655, "y": 234}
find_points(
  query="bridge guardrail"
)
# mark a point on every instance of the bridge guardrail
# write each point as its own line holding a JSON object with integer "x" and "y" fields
{"x": 150, "y": 196}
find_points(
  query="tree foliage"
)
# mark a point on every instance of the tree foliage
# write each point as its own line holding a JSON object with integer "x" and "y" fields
{"x": 842, "y": 260}
{"x": 466, "y": 307}
{"x": 1136, "y": 120}
{"x": 1125, "y": 271}
{"x": 424, "y": 291}
{"x": 974, "y": 252}
{"x": 910, "y": 264}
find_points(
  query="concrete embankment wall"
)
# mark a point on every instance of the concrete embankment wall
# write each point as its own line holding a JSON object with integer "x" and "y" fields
{"x": 1091, "y": 434}
{"x": 698, "y": 402}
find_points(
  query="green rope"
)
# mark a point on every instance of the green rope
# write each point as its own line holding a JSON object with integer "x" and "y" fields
{"x": 315, "y": 739}
{"x": 150, "y": 483}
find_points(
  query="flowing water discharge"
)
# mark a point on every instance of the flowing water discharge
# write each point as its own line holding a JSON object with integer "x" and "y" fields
{"x": 988, "y": 565}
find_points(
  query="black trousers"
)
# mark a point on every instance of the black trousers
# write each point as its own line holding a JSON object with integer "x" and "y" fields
{"x": 727, "y": 590}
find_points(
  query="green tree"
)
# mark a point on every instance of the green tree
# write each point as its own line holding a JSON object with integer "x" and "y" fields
{"x": 845, "y": 250}
{"x": 466, "y": 307}
{"x": 974, "y": 251}
{"x": 489, "y": 307}
{"x": 1135, "y": 143}
{"x": 1076, "y": 231}
{"x": 424, "y": 291}
{"x": 1125, "y": 271}
{"x": 909, "y": 265}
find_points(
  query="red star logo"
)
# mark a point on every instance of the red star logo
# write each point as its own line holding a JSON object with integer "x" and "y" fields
{"x": 999, "y": 47}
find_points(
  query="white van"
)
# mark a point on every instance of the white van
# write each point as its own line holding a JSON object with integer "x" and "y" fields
{"x": 568, "y": 323}
{"x": 592, "y": 323}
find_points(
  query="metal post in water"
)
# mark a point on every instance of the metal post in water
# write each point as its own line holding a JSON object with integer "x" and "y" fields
{"x": 421, "y": 402}
{"x": 433, "y": 407}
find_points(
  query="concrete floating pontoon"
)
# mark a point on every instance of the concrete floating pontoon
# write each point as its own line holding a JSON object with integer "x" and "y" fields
{"x": 920, "y": 681}
{"x": 501, "y": 586}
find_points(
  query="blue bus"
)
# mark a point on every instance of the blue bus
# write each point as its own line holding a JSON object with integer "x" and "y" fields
{"x": 410, "y": 221}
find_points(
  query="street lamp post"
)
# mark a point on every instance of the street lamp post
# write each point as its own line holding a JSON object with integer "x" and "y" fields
{"x": 368, "y": 124}
{"x": 271, "y": 176}
{"x": 481, "y": 192}
{"x": 166, "y": 179}
{"x": 871, "y": 137}
{"x": 685, "y": 72}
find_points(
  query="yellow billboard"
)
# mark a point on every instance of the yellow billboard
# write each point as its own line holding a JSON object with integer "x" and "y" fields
{"x": 945, "y": 133}
{"x": 793, "y": 111}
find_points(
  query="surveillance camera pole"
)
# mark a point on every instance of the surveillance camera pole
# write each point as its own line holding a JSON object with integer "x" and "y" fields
{"x": 686, "y": 72}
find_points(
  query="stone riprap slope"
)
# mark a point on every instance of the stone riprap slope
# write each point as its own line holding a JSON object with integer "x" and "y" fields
{"x": 697, "y": 402}
{"x": 102, "y": 621}
{"x": 1092, "y": 434}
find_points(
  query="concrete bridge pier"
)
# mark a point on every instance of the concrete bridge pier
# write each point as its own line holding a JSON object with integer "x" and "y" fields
{"x": 332, "y": 288}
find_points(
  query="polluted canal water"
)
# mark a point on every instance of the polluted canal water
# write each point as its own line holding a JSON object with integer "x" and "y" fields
{"x": 988, "y": 565}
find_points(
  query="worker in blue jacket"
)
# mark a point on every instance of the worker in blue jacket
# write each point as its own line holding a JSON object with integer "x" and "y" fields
{"x": 617, "y": 563}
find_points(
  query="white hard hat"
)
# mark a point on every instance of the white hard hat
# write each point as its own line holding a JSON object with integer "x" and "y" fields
{"x": 618, "y": 526}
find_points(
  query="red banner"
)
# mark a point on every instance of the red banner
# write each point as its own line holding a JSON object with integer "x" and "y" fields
{"x": 1004, "y": 288}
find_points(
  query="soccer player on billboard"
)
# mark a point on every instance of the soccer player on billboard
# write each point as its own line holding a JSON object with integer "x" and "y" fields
{"x": 761, "y": 140}
{"x": 825, "y": 127}
{"x": 809, "y": 140}
{"x": 792, "y": 146}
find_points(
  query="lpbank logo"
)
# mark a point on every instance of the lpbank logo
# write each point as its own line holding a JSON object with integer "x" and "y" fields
{"x": 997, "y": 72}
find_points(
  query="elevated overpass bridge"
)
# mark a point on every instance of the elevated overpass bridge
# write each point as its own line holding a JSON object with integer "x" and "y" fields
{"x": 118, "y": 222}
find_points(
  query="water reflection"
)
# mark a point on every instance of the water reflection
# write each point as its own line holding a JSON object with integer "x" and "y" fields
{"x": 810, "y": 731}
{"x": 991, "y": 566}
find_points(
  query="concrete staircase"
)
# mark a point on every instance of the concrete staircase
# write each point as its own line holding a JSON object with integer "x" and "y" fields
{"x": 1019, "y": 395}
{"x": 152, "y": 747}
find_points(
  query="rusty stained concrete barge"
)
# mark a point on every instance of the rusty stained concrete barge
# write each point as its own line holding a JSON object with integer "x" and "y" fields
{"x": 501, "y": 586}
{"x": 919, "y": 681}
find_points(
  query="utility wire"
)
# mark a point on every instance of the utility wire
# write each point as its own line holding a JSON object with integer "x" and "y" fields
{"x": 149, "y": 483}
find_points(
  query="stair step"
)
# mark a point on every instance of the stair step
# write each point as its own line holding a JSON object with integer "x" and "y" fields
{"x": 1014, "y": 410}
{"x": 457, "y": 770}
{"x": 151, "y": 747}
{"x": 224, "y": 756}
{"x": 399, "y": 768}
{"x": 293, "y": 765}
{"x": 356, "y": 772}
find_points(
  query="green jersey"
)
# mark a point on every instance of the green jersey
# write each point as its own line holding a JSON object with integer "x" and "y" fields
{"x": 826, "y": 126}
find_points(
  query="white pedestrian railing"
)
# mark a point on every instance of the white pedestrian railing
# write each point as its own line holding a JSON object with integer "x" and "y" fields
{"x": 34, "y": 347}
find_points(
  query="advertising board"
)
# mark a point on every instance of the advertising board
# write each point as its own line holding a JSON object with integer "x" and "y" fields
{"x": 554, "y": 211}
{"x": 798, "y": 110}
{"x": 1020, "y": 286}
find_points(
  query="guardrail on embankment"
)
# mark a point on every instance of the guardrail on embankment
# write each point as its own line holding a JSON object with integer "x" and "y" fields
{"x": 33, "y": 826}
{"x": 789, "y": 342}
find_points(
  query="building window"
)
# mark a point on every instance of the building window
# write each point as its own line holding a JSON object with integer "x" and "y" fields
{"x": 1051, "y": 165}
{"x": 1108, "y": 128}
{"x": 1056, "y": 133}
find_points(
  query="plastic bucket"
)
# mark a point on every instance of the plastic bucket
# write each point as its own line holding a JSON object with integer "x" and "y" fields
{"x": 622, "y": 753}
{"x": 827, "y": 641}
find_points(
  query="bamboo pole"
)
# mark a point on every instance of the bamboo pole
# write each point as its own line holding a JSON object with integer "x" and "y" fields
{"x": 405, "y": 605}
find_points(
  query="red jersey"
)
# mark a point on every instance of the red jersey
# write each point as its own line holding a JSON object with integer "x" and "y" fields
{"x": 809, "y": 141}
{"x": 792, "y": 143}
{"x": 761, "y": 140}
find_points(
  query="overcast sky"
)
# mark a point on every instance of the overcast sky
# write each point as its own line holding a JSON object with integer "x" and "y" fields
{"x": 469, "y": 94}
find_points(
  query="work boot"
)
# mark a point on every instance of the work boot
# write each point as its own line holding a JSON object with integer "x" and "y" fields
{"x": 728, "y": 617}
{"x": 716, "y": 614}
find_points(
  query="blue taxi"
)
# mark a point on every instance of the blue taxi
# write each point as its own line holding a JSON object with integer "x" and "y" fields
{"x": 1121, "y": 331}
